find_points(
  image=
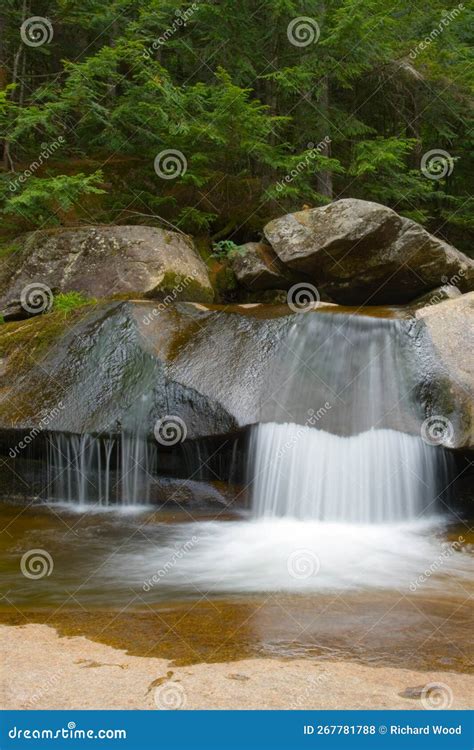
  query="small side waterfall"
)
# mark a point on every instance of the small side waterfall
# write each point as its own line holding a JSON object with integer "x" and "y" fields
{"x": 334, "y": 444}
{"x": 84, "y": 469}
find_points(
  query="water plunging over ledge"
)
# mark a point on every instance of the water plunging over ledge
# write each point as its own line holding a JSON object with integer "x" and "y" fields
{"x": 338, "y": 474}
{"x": 334, "y": 445}
{"x": 373, "y": 477}
{"x": 338, "y": 437}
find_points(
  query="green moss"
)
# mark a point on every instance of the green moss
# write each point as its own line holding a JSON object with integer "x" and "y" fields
{"x": 8, "y": 249}
{"x": 26, "y": 342}
{"x": 225, "y": 283}
{"x": 175, "y": 287}
{"x": 71, "y": 301}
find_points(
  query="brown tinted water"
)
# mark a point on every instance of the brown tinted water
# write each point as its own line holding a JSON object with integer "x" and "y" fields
{"x": 89, "y": 592}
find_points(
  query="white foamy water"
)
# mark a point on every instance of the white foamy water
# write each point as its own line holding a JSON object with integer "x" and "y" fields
{"x": 283, "y": 554}
{"x": 377, "y": 476}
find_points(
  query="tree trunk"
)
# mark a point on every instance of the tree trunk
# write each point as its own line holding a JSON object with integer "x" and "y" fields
{"x": 324, "y": 178}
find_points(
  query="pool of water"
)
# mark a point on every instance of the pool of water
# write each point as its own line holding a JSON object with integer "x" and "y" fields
{"x": 213, "y": 585}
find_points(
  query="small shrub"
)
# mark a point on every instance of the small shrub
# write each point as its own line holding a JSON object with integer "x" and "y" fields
{"x": 71, "y": 301}
{"x": 224, "y": 249}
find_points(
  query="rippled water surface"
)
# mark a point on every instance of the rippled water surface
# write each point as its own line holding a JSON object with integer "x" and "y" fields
{"x": 212, "y": 585}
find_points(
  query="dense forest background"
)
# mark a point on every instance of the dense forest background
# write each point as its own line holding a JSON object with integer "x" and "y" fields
{"x": 217, "y": 116}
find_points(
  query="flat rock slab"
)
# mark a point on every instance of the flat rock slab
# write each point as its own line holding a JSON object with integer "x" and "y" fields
{"x": 44, "y": 671}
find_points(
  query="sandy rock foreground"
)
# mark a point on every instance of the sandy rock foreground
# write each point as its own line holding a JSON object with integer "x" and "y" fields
{"x": 41, "y": 670}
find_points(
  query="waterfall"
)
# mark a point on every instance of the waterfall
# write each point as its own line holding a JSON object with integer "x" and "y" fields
{"x": 335, "y": 442}
{"x": 376, "y": 476}
{"x": 85, "y": 469}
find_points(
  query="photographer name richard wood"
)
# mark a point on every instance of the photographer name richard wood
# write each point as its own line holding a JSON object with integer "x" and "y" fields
{"x": 429, "y": 729}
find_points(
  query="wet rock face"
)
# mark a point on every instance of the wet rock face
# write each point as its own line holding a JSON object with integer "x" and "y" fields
{"x": 206, "y": 367}
{"x": 110, "y": 261}
{"x": 217, "y": 369}
{"x": 360, "y": 252}
{"x": 445, "y": 334}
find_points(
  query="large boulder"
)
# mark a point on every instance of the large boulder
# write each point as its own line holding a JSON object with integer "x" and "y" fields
{"x": 257, "y": 267}
{"x": 445, "y": 334}
{"x": 363, "y": 253}
{"x": 107, "y": 262}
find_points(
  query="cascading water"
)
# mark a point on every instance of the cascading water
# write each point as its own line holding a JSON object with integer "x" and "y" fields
{"x": 338, "y": 475}
{"x": 376, "y": 476}
{"x": 338, "y": 472}
{"x": 334, "y": 445}
{"x": 86, "y": 469}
